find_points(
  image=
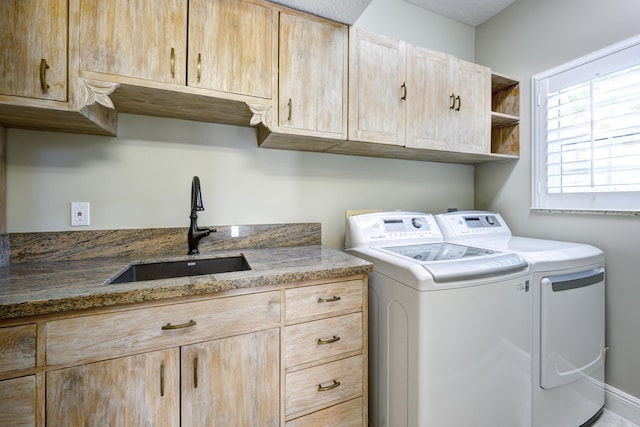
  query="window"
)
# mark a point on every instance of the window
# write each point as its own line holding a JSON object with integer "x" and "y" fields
{"x": 586, "y": 132}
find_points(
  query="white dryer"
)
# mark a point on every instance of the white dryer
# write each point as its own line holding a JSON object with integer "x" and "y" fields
{"x": 449, "y": 327}
{"x": 568, "y": 316}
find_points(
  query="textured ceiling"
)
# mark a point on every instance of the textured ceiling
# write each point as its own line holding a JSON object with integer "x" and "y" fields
{"x": 345, "y": 11}
{"x": 471, "y": 12}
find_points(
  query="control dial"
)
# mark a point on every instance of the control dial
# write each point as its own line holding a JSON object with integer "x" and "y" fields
{"x": 417, "y": 222}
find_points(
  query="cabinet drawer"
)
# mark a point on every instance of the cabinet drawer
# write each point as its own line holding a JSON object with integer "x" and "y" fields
{"x": 306, "y": 342}
{"x": 323, "y": 385}
{"x": 102, "y": 336}
{"x": 347, "y": 414}
{"x": 323, "y": 300}
{"x": 17, "y": 348}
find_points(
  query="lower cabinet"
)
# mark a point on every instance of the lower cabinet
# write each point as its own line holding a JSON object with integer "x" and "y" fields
{"x": 140, "y": 390}
{"x": 232, "y": 381}
{"x": 292, "y": 355}
{"x": 18, "y": 402}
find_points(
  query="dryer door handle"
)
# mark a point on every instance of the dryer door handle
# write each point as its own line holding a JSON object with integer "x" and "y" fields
{"x": 571, "y": 281}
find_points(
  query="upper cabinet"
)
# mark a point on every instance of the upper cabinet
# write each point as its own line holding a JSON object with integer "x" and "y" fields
{"x": 146, "y": 39}
{"x": 412, "y": 103}
{"x": 206, "y": 60}
{"x": 232, "y": 46}
{"x": 377, "y": 88}
{"x": 449, "y": 105}
{"x": 305, "y": 82}
{"x": 33, "y": 58}
{"x": 311, "y": 106}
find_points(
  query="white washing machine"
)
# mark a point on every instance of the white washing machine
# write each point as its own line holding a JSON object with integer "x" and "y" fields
{"x": 568, "y": 287}
{"x": 449, "y": 326}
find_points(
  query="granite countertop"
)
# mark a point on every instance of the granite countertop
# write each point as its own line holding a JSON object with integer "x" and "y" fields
{"x": 46, "y": 285}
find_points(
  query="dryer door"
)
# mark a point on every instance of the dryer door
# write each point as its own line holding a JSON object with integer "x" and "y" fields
{"x": 572, "y": 326}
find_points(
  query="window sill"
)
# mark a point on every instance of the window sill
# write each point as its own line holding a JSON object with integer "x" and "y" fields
{"x": 586, "y": 211}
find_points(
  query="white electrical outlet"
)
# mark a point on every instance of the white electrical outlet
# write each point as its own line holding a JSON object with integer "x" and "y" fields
{"x": 79, "y": 213}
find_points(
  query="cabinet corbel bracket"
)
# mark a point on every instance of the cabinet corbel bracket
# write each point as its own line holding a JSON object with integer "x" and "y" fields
{"x": 92, "y": 91}
{"x": 261, "y": 115}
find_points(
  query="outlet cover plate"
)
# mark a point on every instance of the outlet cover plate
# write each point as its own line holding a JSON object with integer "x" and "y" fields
{"x": 80, "y": 214}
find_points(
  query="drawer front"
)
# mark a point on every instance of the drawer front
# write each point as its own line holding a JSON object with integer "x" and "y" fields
{"x": 323, "y": 300}
{"x": 97, "y": 337}
{"x": 322, "y": 385}
{"x": 347, "y": 414}
{"x": 307, "y": 342}
{"x": 17, "y": 348}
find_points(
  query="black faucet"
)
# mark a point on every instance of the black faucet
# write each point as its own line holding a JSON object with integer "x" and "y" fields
{"x": 195, "y": 233}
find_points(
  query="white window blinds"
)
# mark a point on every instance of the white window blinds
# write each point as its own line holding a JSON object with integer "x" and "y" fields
{"x": 587, "y": 133}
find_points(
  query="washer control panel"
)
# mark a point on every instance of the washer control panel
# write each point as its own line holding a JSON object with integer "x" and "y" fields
{"x": 472, "y": 223}
{"x": 391, "y": 227}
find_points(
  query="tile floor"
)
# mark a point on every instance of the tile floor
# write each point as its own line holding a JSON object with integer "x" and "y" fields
{"x": 610, "y": 419}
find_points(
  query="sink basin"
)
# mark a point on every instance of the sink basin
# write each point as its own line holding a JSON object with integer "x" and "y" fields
{"x": 172, "y": 269}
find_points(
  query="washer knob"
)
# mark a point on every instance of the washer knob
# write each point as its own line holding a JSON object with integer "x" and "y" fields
{"x": 417, "y": 222}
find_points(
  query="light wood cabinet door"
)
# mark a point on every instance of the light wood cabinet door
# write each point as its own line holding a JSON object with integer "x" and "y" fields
{"x": 232, "y": 46}
{"x": 428, "y": 106}
{"x": 471, "y": 125}
{"x": 33, "y": 56}
{"x": 140, "y": 390}
{"x": 377, "y": 86}
{"x": 232, "y": 381}
{"x": 146, "y": 39}
{"x": 18, "y": 402}
{"x": 313, "y": 76}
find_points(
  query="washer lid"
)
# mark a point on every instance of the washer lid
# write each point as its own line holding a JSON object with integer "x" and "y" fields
{"x": 449, "y": 262}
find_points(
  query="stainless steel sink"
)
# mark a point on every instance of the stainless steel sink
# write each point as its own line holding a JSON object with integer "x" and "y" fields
{"x": 172, "y": 269}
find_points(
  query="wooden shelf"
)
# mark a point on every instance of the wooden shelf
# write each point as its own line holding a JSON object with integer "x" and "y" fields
{"x": 505, "y": 116}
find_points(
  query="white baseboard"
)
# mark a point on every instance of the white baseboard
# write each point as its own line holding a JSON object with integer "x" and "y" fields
{"x": 622, "y": 403}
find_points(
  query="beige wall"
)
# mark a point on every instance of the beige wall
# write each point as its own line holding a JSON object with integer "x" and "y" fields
{"x": 142, "y": 178}
{"x": 527, "y": 38}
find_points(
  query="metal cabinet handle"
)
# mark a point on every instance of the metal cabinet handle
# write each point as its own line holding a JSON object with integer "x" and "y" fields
{"x": 328, "y": 340}
{"x": 459, "y": 102}
{"x": 195, "y": 372}
{"x": 290, "y": 109}
{"x": 199, "y": 67}
{"x": 332, "y": 299}
{"x": 331, "y": 386}
{"x": 404, "y": 87}
{"x": 162, "y": 380}
{"x": 169, "y": 326}
{"x": 453, "y": 101}
{"x": 43, "y": 74}
{"x": 173, "y": 62}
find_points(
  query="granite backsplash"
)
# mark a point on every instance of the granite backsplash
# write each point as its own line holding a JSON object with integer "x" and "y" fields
{"x": 150, "y": 242}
